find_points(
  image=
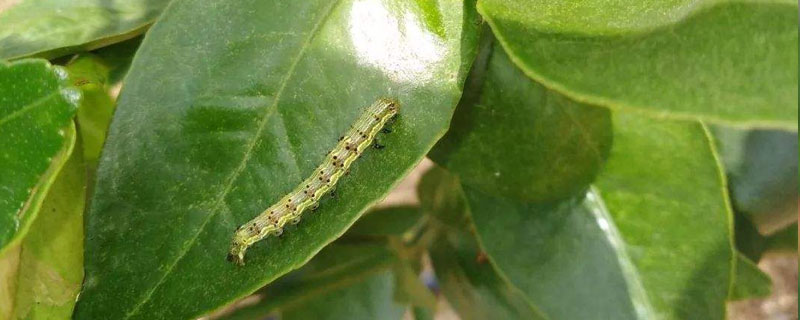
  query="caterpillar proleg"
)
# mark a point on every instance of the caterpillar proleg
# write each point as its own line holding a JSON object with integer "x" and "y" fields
{"x": 307, "y": 195}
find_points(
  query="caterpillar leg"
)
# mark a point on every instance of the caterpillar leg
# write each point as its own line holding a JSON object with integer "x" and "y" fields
{"x": 295, "y": 220}
{"x": 377, "y": 145}
{"x": 386, "y": 129}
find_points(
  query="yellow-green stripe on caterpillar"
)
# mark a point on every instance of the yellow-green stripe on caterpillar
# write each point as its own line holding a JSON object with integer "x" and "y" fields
{"x": 307, "y": 195}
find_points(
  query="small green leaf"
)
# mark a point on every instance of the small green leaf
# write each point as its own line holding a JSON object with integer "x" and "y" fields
{"x": 512, "y": 137}
{"x": 749, "y": 281}
{"x": 46, "y": 268}
{"x": 36, "y": 108}
{"x": 409, "y": 287}
{"x": 722, "y": 61}
{"x": 474, "y": 289}
{"x": 90, "y": 74}
{"x": 51, "y": 28}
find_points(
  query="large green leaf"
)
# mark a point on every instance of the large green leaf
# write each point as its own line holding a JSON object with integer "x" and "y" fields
{"x": 724, "y": 61}
{"x": 564, "y": 248}
{"x": 36, "y": 108}
{"x": 227, "y": 106}
{"x": 657, "y": 233}
{"x": 512, "y": 137}
{"x": 45, "y": 270}
{"x": 558, "y": 256}
{"x": 666, "y": 194}
{"x": 51, "y": 28}
{"x": 472, "y": 285}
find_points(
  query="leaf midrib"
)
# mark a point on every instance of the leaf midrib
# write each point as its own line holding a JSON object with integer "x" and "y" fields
{"x": 245, "y": 159}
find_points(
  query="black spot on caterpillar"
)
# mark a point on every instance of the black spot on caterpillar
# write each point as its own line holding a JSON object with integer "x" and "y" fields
{"x": 308, "y": 193}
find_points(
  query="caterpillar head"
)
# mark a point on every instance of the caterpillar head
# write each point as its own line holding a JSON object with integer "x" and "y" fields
{"x": 393, "y": 106}
{"x": 238, "y": 247}
{"x": 390, "y": 105}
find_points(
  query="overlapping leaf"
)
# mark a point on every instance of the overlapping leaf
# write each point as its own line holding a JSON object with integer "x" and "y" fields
{"x": 52, "y": 28}
{"x": 723, "y": 61}
{"x": 514, "y": 138}
{"x": 665, "y": 193}
{"x": 660, "y": 174}
{"x": 42, "y": 275}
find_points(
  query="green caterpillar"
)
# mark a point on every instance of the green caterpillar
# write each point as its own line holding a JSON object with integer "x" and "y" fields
{"x": 307, "y": 195}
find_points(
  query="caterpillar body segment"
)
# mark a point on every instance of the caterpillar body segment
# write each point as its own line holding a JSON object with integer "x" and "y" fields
{"x": 323, "y": 180}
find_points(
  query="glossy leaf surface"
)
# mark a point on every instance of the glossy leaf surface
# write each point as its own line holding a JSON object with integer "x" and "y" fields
{"x": 722, "y": 61}
{"x": 665, "y": 191}
{"x": 227, "y": 106}
{"x": 36, "y": 108}
{"x": 539, "y": 250}
{"x": 572, "y": 252}
{"x": 659, "y": 175}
